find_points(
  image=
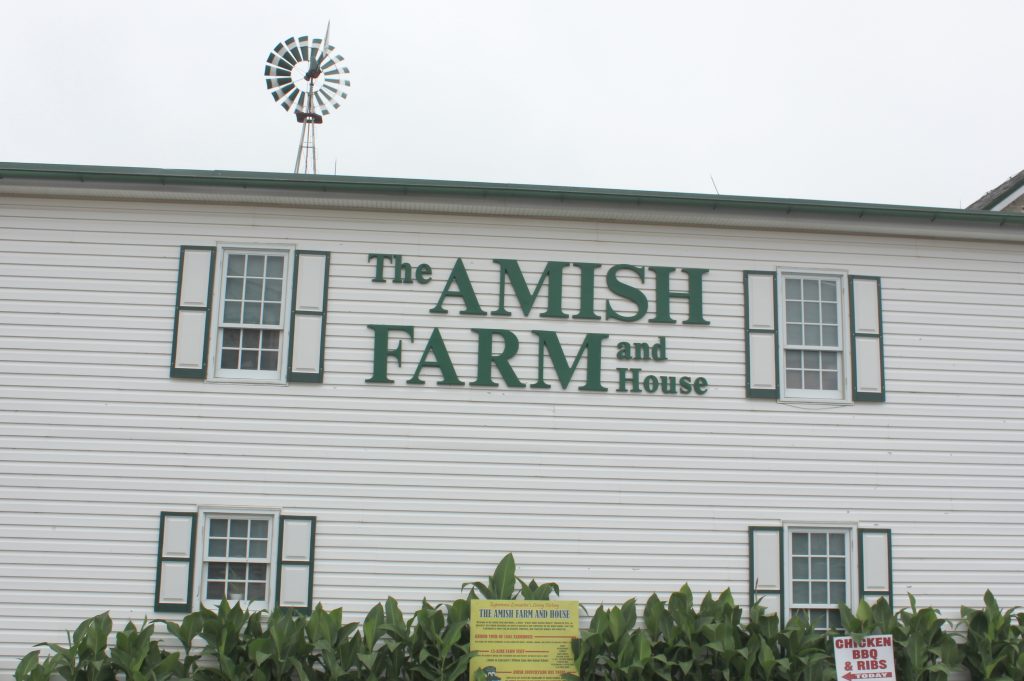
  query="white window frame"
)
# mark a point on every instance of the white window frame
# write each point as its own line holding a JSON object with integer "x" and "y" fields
{"x": 273, "y": 530}
{"x": 216, "y": 329}
{"x": 842, "y": 395}
{"x": 850, "y": 534}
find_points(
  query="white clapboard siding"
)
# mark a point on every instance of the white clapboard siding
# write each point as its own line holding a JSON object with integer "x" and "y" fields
{"x": 417, "y": 489}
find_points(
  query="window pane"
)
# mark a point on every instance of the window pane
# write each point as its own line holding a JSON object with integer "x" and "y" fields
{"x": 829, "y": 360}
{"x": 792, "y": 289}
{"x": 829, "y": 313}
{"x": 811, "y": 289}
{"x": 236, "y": 265}
{"x": 838, "y": 592}
{"x": 801, "y": 592}
{"x": 218, "y": 547}
{"x": 830, "y": 336}
{"x": 218, "y": 527}
{"x": 793, "y": 312}
{"x": 236, "y": 549}
{"x": 837, "y": 568}
{"x": 275, "y": 265}
{"x": 819, "y": 543}
{"x": 830, "y": 381}
{"x": 794, "y": 359}
{"x": 253, "y": 289}
{"x": 232, "y": 313}
{"x": 258, "y": 528}
{"x": 271, "y": 313}
{"x": 811, "y": 312}
{"x": 812, "y": 334}
{"x": 250, "y": 359}
{"x": 795, "y": 334}
{"x": 819, "y": 619}
{"x": 271, "y": 340}
{"x": 229, "y": 359}
{"x": 255, "y": 268}
{"x": 258, "y": 572}
{"x": 819, "y": 568}
{"x": 257, "y": 548}
{"x": 828, "y": 290}
{"x": 252, "y": 313}
{"x": 800, "y": 543}
{"x": 215, "y": 590}
{"x": 236, "y": 591}
{"x": 216, "y": 570}
{"x": 233, "y": 291}
{"x": 819, "y": 592}
{"x": 811, "y": 359}
{"x": 811, "y": 381}
{"x": 800, "y": 570}
{"x": 257, "y": 591}
{"x": 231, "y": 339}
{"x": 272, "y": 290}
{"x": 835, "y": 621}
{"x": 239, "y": 527}
{"x": 251, "y": 338}
{"x": 236, "y": 571}
{"x": 794, "y": 379}
{"x": 836, "y": 544}
{"x": 268, "y": 361}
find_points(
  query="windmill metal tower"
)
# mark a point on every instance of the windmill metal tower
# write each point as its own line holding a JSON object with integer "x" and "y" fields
{"x": 306, "y": 78}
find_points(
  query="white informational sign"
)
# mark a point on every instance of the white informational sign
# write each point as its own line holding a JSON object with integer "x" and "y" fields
{"x": 871, "y": 657}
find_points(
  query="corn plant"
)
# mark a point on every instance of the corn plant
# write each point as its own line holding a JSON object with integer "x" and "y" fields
{"x": 994, "y": 644}
{"x": 804, "y": 655}
{"x": 30, "y": 668}
{"x": 923, "y": 649}
{"x": 139, "y": 658}
{"x": 336, "y": 644}
{"x": 282, "y": 651}
{"x": 501, "y": 585}
{"x": 191, "y": 626}
{"x": 85, "y": 657}
{"x": 227, "y": 633}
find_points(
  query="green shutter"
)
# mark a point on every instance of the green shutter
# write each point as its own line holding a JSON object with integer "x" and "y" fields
{"x": 296, "y": 553}
{"x": 766, "y": 549}
{"x": 761, "y": 336}
{"x": 175, "y": 562}
{"x": 866, "y": 346}
{"x": 311, "y": 274}
{"x": 191, "y": 340}
{"x": 874, "y": 563}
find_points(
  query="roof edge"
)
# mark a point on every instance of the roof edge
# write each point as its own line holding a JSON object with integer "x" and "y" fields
{"x": 331, "y": 184}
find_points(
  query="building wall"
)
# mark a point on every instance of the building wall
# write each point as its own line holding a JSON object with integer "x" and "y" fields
{"x": 418, "y": 489}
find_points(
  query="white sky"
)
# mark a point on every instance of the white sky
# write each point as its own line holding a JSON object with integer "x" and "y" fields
{"x": 888, "y": 101}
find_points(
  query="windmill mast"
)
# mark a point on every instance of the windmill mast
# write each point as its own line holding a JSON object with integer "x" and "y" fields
{"x": 305, "y": 77}
{"x": 305, "y": 159}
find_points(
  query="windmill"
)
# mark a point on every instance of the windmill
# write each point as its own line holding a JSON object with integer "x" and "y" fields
{"x": 306, "y": 78}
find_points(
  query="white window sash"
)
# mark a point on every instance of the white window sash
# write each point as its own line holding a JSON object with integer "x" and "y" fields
{"x": 842, "y": 362}
{"x": 216, "y": 347}
{"x": 205, "y": 516}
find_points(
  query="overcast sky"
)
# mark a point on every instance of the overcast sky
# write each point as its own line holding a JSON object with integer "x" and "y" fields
{"x": 909, "y": 102}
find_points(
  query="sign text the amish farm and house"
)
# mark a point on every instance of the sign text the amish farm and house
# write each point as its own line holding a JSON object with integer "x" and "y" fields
{"x": 624, "y": 301}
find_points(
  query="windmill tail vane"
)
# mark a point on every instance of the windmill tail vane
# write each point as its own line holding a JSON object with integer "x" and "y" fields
{"x": 306, "y": 77}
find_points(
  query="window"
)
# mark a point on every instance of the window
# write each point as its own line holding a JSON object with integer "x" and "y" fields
{"x": 819, "y": 575}
{"x": 250, "y": 341}
{"x": 810, "y": 570}
{"x": 236, "y": 559}
{"x": 238, "y": 317}
{"x": 812, "y": 354}
{"x": 813, "y": 336}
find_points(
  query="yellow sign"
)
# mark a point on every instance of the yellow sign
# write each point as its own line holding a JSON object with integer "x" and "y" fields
{"x": 523, "y": 640}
